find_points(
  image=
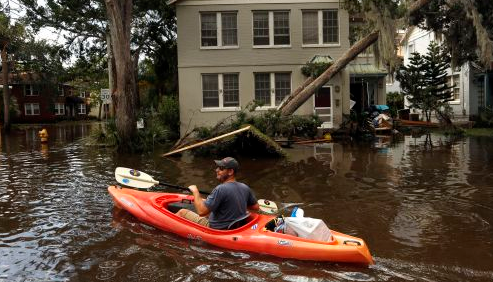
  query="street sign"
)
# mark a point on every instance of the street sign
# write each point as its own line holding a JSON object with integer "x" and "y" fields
{"x": 105, "y": 96}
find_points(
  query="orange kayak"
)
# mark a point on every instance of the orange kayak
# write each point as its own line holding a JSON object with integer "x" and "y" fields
{"x": 156, "y": 209}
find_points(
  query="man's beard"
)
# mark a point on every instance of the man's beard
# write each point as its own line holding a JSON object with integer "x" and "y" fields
{"x": 222, "y": 178}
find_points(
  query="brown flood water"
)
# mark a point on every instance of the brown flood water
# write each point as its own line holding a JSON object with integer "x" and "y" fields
{"x": 423, "y": 205}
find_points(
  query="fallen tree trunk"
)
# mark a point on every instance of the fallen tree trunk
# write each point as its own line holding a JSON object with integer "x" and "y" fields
{"x": 338, "y": 65}
{"x": 206, "y": 141}
{"x": 291, "y": 96}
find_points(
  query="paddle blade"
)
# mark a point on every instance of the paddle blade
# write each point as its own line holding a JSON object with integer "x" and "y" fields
{"x": 267, "y": 207}
{"x": 134, "y": 178}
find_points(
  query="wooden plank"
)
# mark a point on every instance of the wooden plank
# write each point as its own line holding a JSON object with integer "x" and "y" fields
{"x": 207, "y": 141}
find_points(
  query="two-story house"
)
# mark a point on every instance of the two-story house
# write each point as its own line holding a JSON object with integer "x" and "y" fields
{"x": 41, "y": 101}
{"x": 233, "y": 52}
{"x": 472, "y": 86}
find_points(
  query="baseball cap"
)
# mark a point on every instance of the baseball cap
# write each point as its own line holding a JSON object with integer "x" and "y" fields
{"x": 228, "y": 162}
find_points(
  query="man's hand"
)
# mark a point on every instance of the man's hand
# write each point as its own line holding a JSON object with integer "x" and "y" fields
{"x": 198, "y": 202}
{"x": 193, "y": 189}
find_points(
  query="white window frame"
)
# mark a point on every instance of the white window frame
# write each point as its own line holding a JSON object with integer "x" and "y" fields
{"x": 328, "y": 124}
{"x": 61, "y": 91}
{"x": 219, "y": 31}
{"x": 271, "y": 30}
{"x": 220, "y": 84}
{"x": 82, "y": 94}
{"x": 30, "y": 90}
{"x": 411, "y": 49}
{"x": 321, "y": 31}
{"x": 272, "y": 89}
{"x": 456, "y": 86}
{"x": 81, "y": 109}
{"x": 59, "y": 109}
{"x": 32, "y": 109}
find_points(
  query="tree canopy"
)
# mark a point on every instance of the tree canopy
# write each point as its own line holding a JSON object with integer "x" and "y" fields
{"x": 467, "y": 27}
{"x": 84, "y": 26}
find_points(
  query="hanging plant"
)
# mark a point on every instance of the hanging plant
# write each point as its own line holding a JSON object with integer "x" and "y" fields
{"x": 314, "y": 69}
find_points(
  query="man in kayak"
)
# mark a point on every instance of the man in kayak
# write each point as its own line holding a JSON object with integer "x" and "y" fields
{"x": 227, "y": 203}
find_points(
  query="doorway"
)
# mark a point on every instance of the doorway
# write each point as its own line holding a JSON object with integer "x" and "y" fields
{"x": 323, "y": 106}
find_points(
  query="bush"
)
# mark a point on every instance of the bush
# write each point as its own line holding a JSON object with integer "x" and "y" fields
{"x": 160, "y": 126}
{"x": 485, "y": 118}
{"x": 395, "y": 101}
{"x": 270, "y": 123}
{"x": 105, "y": 135}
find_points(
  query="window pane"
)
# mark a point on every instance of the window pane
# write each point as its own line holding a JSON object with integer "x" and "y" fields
{"x": 283, "y": 86}
{"x": 210, "y": 90}
{"x": 330, "y": 26}
{"x": 262, "y": 88}
{"x": 310, "y": 27}
{"x": 231, "y": 90}
{"x": 209, "y": 29}
{"x": 260, "y": 28}
{"x": 59, "y": 109}
{"x": 34, "y": 109}
{"x": 28, "y": 90}
{"x": 27, "y": 109}
{"x": 229, "y": 29}
{"x": 82, "y": 108}
{"x": 281, "y": 28}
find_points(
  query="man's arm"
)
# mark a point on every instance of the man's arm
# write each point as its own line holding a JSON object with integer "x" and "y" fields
{"x": 198, "y": 202}
{"x": 254, "y": 207}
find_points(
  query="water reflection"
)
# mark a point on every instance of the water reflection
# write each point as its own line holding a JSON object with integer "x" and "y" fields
{"x": 423, "y": 204}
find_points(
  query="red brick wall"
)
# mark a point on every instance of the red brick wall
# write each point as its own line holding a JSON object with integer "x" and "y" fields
{"x": 48, "y": 96}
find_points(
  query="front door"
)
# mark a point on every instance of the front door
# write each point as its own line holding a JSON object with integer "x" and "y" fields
{"x": 323, "y": 105}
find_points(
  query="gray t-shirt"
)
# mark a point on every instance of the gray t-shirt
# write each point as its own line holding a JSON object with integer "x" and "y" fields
{"x": 228, "y": 202}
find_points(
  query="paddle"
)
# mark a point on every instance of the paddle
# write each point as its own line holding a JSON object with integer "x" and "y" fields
{"x": 138, "y": 179}
{"x": 142, "y": 180}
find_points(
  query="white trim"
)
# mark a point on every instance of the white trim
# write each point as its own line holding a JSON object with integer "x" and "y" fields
{"x": 220, "y": 109}
{"x": 219, "y": 31}
{"x": 265, "y": 108}
{"x": 320, "y": 45}
{"x": 270, "y": 15}
{"x": 59, "y": 111}
{"x": 242, "y": 2}
{"x": 220, "y": 93}
{"x": 218, "y": 47}
{"x": 61, "y": 91}
{"x": 81, "y": 109}
{"x": 330, "y": 123}
{"x": 220, "y": 90}
{"x": 30, "y": 91}
{"x": 219, "y": 27}
{"x": 320, "y": 23}
{"x": 31, "y": 109}
{"x": 272, "y": 90}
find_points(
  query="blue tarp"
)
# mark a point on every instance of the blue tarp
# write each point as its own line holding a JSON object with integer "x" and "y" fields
{"x": 381, "y": 107}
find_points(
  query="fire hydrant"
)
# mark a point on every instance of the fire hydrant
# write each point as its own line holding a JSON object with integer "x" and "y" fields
{"x": 43, "y": 135}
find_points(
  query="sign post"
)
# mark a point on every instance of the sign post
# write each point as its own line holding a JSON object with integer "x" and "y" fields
{"x": 106, "y": 99}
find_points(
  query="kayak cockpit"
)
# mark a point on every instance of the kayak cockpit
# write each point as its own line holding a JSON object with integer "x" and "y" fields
{"x": 170, "y": 204}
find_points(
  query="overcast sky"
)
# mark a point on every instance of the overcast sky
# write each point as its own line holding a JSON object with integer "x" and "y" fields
{"x": 17, "y": 11}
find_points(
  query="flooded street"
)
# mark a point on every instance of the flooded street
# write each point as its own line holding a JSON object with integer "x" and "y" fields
{"x": 423, "y": 205}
